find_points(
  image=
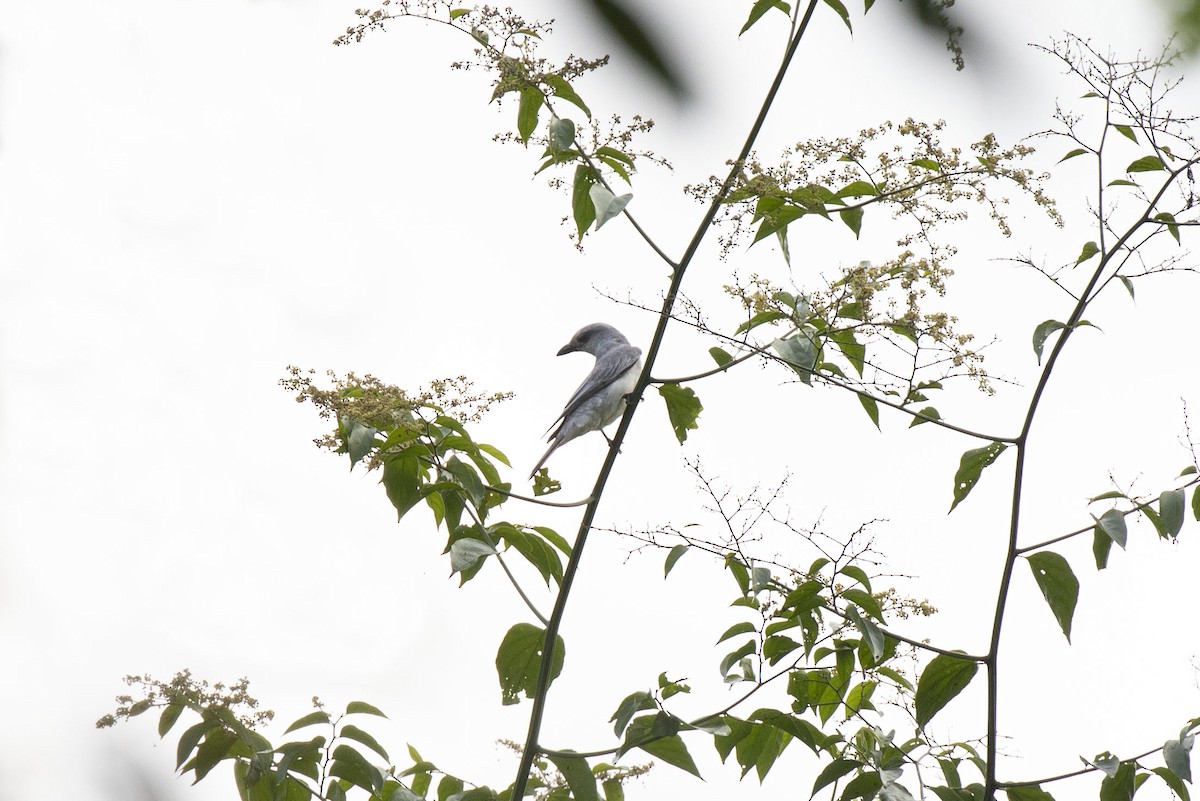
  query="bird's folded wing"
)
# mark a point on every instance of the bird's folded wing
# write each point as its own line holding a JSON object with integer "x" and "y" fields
{"x": 609, "y": 367}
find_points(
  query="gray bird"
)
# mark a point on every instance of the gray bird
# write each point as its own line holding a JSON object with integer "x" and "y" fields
{"x": 600, "y": 399}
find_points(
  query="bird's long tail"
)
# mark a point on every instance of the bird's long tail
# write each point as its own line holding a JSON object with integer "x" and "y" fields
{"x": 553, "y": 446}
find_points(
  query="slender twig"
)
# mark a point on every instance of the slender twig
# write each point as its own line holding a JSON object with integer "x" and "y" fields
{"x": 538, "y": 500}
{"x": 541, "y": 688}
{"x": 1140, "y": 505}
{"x": 1085, "y": 298}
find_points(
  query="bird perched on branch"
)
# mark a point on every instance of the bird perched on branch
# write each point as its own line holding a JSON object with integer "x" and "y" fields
{"x": 600, "y": 399}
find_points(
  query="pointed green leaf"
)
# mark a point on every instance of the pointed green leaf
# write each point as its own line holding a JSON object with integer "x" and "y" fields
{"x": 1169, "y": 219}
{"x": 673, "y": 557}
{"x": 1079, "y": 151}
{"x": 1170, "y": 509}
{"x": 683, "y": 407}
{"x": 455, "y": 13}
{"x": 850, "y": 347}
{"x": 720, "y": 356}
{"x": 354, "y": 733}
{"x": 1112, "y": 524}
{"x": 668, "y": 747}
{"x": 579, "y": 776}
{"x": 1146, "y": 164}
{"x": 1178, "y": 756}
{"x": 527, "y": 111}
{"x": 832, "y": 772}
{"x": 466, "y": 552}
{"x": 1089, "y": 249}
{"x": 1042, "y": 332}
{"x": 1122, "y": 182}
{"x": 402, "y": 482}
{"x": 1196, "y": 503}
{"x": 1028, "y": 792}
{"x": 851, "y": 217}
{"x": 631, "y": 704}
{"x": 970, "y": 467}
{"x": 560, "y": 88}
{"x": 924, "y": 416}
{"x": 312, "y": 718}
{"x": 562, "y": 135}
{"x": 1122, "y": 786}
{"x": 519, "y": 659}
{"x": 800, "y": 352}
{"x": 167, "y": 719}
{"x": 1128, "y": 285}
{"x": 837, "y": 6}
{"x": 745, "y": 627}
{"x": 1127, "y": 132}
{"x": 1174, "y": 782}
{"x": 941, "y": 680}
{"x": 1058, "y": 585}
{"x": 605, "y": 204}
{"x": 759, "y": 9}
{"x": 363, "y": 708}
{"x": 870, "y": 407}
{"x": 581, "y": 200}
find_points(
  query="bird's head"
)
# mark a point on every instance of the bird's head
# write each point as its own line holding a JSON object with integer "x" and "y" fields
{"x": 594, "y": 339}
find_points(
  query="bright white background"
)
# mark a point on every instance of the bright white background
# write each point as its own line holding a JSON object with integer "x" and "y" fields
{"x": 195, "y": 195}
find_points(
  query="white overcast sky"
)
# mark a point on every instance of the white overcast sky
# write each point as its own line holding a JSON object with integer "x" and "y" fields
{"x": 194, "y": 195}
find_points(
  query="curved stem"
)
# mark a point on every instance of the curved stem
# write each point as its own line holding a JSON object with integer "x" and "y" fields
{"x": 530, "y": 750}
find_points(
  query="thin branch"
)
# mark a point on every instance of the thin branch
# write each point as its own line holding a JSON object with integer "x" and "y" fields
{"x": 542, "y": 685}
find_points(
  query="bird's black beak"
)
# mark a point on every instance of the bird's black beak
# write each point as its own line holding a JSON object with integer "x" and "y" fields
{"x": 570, "y": 347}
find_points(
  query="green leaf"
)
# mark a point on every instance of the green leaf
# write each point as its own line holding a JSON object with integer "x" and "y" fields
{"x": 858, "y": 189}
{"x": 581, "y": 200}
{"x": 630, "y": 705}
{"x": 1169, "y": 219}
{"x": 683, "y": 407}
{"x": 167, "y": 719}
{"x": 1121, "y": 786}
{"x": 927, "y": 164}
{"x": 832, "y": 772}
{"x": 1146, "y": 164}
{"x": 745, "y": 627}
{"x": 519, "y": 658}
{"x": 354, "y": 733}
{"x": 868, "y": 602}
{"x": 455, "y": 13}
{"x": 800, "y": 351}
{"x": 350, "y": 765}
{"x": 673, "y": 557}
{"x": 970, "y": 467}
{"x": 562, "y": 135}
{"x": 1058, "y": 585}
{"x": 1112, "y": 524}
{"x": 1127, "y": 132}
{"x": 668, "y": 747}
{"x": 363, "y": 708}
{"x": 1089, "y": 249}
{"x": 720, "y": 356}
{"x": 402, "y": 482}
{"x": 1128, "y": 285}
{"x": 527, "y": 112}
{"x": 851, "y": 217}
{"x": 870, "y": 632}
{"x": 1174, "y": 782}
{"x": 311, "y": 719}
{"x": 1196, "y": 503}
{"x": 1079, "y": 151}
{"x": 759, "y": 9}
{"x": 837, "y": 6}
{"x": 1030, "y": 792}
{"x": 870, "y": 407}
{"x": 1041, "y": 333}
{"x": 606, "y": 204}
{"x": 1101, "y": 546}
{"x": 1122, "y": 182}
{"x": 850, "y": 347}
{"x": 560, "y": 88}
{"x": 941, "y": 680}
{"x": 1170, "y": 509}
{"x": 360, "y": 441}
{"x": 579, "y": 776}
{"x": 449, "y": 786}
{"x": 924, "y": 416}
{"x": 465, "y": 553}
{"x": 1178, "y": 756}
